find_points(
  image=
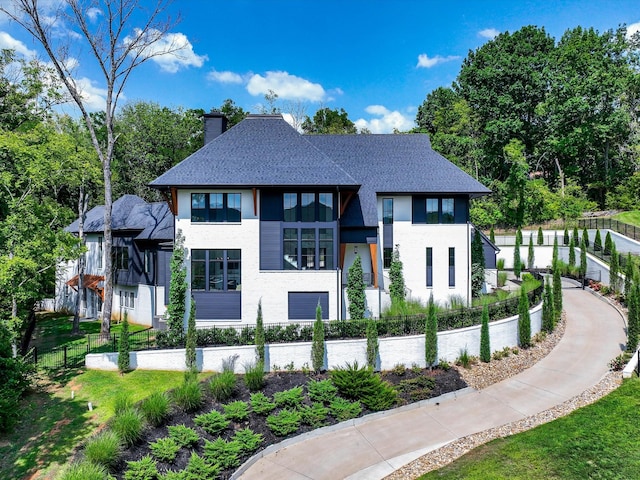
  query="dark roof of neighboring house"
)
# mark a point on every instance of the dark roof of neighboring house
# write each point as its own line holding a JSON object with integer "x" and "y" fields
{"x": 131, "y": 213}
{"x": 262, "y": 150}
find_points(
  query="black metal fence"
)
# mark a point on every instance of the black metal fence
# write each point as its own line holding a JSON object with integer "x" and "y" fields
{"x": 625, "y": 229}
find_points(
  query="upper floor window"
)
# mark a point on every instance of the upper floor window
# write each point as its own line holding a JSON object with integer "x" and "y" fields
{"x": 216, "y": 207}
{"x": 121, "y": 258}
{"x": 438, "y": 210}
{"x": 215, "y": 270}
{"x": 148, "y": 261}
{"x": 447, "y": 210}
{"x": 308, "y": 207}
{"x": 100, "y": 252}
{"x": 432, "y": 210}
{"x": 387, "y": 211}
{"x": 308, "y": 248}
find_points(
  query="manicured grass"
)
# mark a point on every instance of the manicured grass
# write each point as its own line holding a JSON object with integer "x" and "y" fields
{"x": 598, "y": 441}
{"x": 632, "y": 217}
{"x": 51, "y": 423}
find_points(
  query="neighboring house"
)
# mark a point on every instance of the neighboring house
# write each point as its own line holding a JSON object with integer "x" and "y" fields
{"x": 274, "y": 216}
{"x": 142, "y": 245}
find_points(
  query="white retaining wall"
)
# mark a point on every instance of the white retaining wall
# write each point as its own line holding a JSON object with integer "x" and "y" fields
{"x": 392, "y": 351}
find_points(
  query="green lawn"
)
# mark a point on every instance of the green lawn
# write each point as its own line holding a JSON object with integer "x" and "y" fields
{"x": 632, "y": 217}
{"x": 601, "y": 440}
{"x": 52, "y": 423}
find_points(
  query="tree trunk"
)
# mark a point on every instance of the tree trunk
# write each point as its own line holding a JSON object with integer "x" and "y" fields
{"x": 83, "y": 203}
{"x": 108, "y": 257}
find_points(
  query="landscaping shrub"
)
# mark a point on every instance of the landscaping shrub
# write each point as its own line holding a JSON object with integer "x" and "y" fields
{"x": 372, "y": 343}
{"x": 184, "y": 436}
{"x": 220, "y": 451}
{"x": 524, "y": 321}
{"x": 213, "y": 422}
{"x": 190, "y": 340}
{"x": 222, "y": 385}
{"x": 431, "y": 335}
{"x": 317, "y": 343}
{"x": 123, "y": 346}
{"x": 155, "y": 408}
{"x": 314, "y": 415}
{"x": 254, "y": 376}
{"x": 321, "y": 390}
{"x": 418, "y": 388}
{"x": 236, "y": 411}
{"x": 540, "y": 236}
{"x": 289, "y": 398}
{"x": 188, "y": 396}
{"x": 364, "y": 385}
{"x": 285, "y": 422}
{"x": 356, "y": 290}
{"x": 485, "y": 341}
{"x": 248, "y": 440}
{"x": 165, "y": 449}
{"x": 342, "y": 409}
{"x": 464, "y": 359}
{"x": 104, "y": 449}
{"x": 128, "y": 426}
{"x": 122, "y": 402}
{"x": 85, "y": 470}
{"x": 261, "y": 404}
{"x": 199, "y": 469}
{"x": 259, "y": 336}
{"x": 143, "y": 469}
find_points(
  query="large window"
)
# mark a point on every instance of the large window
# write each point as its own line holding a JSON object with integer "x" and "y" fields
{"x": 100, "y": 252}
{"x": 387, "y": 211}
{"x": 447, "y": 210}
{"x": 429, "y": 267}
{"x": 121, "y": 258}
{"x": 216, "y": 207}
{"x": 452, "y": 267}
{"x": 308, "y": 248}
{"x": 432, "y": 210}
{"x": 308, "y": 207}
{"x": 215, "y": 270}
{"x": 387, "y": 256}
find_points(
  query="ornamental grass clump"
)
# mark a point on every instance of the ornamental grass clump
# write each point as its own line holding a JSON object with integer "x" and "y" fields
{"x": 213, "y": 422}
{"x": 254, "y": 376}
{"x": 143, "y": 469}
{"x": 184, "y": 436}
{"x": 104, "y": 449}
{"x": 164, "y": 449}
{"x": 122, "y": 402}
{"x": 85, "y": 470}
{"x": 222, "y": 385}
{"x": 188, "y": 396}
{"x": 155, "y": 408}
{"x": 128, "y": 426}
{"x": 285, "y": 422}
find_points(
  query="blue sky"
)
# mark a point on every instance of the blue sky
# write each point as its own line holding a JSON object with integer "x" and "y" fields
{"x": 376, "y": 59}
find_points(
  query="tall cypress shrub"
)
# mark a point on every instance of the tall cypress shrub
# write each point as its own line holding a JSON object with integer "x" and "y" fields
{"x": 585, "y": 236}
{"x": 372, "y": 343}
{"x": 177, "y": 291}
{"x": 531, "y": 254}
{"x": 485, "y": 341}
{"x": 190, "y": 345}
{"x": 260, "y": 338}
{"x": 356, "y": 290}
{"x": 633, "y": 320}
{"x": 517, "y": 264}
{"x": 396, "y": 287}
{"x": 554, "y": 259}
{"x": 614, "y": 269}
{"x": 607, "y": 243}
{"x": 547, "y": 308}
{"x": 317, "y": 342}
{"x": 492, "y": 235}
{"x": 597, "y": 242}
{"x": 524, "y": 320}
{"x": 431, "y": 335}
{"x": 123, "y": 346}
{"x": 572, "y": 254}
{"x": 628, "y": 276}
{"x": 583, "y": 257}
{"x": 519, "y": 235}
{"x": 557, "y": 294}
{"x": 576, "y": 237}
{"x": 565, "y": 238}
{"x": 540, "y": 236}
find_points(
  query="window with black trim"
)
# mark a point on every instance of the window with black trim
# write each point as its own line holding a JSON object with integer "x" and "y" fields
{"x": 387, "y": 211}
{"x": 452, "y": 267}
{"x": 307, "y": 248}
{"x": 308, "y": 207}
{"x": 121, "y": 258}
{"x": 215, "y": 270}
{"x": 216, "y": 207}
{"x": 448, "y": 214}
{"x": 387, "y": 256}
{"x": 432, "y": 210}
{"x": 429, "y": 267}
{"x": 148, "y": 261}
{"x": 100, "y": 252}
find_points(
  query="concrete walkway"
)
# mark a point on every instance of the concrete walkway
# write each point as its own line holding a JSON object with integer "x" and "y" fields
{"x": 374, "y": 446}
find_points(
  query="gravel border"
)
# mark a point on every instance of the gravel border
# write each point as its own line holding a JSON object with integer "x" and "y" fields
{"x": 481, "y": 375}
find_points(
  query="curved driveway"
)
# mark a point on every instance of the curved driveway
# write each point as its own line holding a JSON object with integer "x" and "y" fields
{"x": 374, "y": 446}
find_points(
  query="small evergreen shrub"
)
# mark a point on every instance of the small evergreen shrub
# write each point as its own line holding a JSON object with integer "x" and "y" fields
{"x": 321, "y": 390}
{"x": 485, "y": 341}
{"x": 317, "y": 342}
{"x": 259, "y": 337}
{"x": 213, "y": 422}
{"x": 248, "y": 440}
{"x": 431, "y": 334}
{"x": 143, "y": 469}
{"x": 190, "y": 342}
{"x": 155, "y": 408}
{"x": 222, "y": 385}
{"x": 464, "y": 359}
{"x": 104, "y": 449}
{"x": 254, "y": 376}
{"x": 314, "y": 415}
{"x": 342, "y": 409}
{"x": 164, "y": 449}
{"x": 540, "y": 236}
{"x": 183, "y": 436}
{"x": 128, "y": 426}
{"x": 199, "y": 469}
{"x": 123, "y": 346}
{"x": 261, "y": 404}
{"x": 364, "y": 385}
{"x": 236, "y": 411}
{"x": 285, "y": 422}
{"x": 524, "y": 321}
{"x": 85, "y": 470}
{"x": 223, "y": 453}
{"x": 372, "y": 343}
{"x": 291, "y": 398}
{"x": 417, "y": 388}
{"x": 597, "y": 242}
{"x": 188, "y": 396}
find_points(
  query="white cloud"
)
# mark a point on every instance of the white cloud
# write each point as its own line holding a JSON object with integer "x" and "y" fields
{"x": 633, "y": 29}
{"x": 93, "y": 13}
{"x": 489, "y": 33}
{"x": 425, "y": 62}
{"x": 171, "y": 51}
{"x": 286, "y": 86}
{"x": 388, "y": 121}
{"x": 224, "y": 77}
{"x": 8, "y": 42}
{"x": 94, "y": 97}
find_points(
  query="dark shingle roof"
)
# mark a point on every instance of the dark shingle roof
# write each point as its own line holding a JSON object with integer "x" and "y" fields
{"x": 262, "y": 150}
{"x": 154, "y": 221}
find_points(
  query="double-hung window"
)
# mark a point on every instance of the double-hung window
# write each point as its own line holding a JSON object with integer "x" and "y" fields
{"x": 215, "y": 269}
{"x": 216, "y": 207}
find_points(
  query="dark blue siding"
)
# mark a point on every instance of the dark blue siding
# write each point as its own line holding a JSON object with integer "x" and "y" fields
{"x": 218, "y": 305}
{"x": 302, "y": 305}
{"x": 357, "y": 235}
{"x": 387, "y": 232}
{"x": 164, "y": 272}
{"x": 271, "y": 206}
{"x": 270, "y": 246}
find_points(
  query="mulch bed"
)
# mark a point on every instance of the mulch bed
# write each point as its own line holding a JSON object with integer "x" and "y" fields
{"x": 445, "y": 381}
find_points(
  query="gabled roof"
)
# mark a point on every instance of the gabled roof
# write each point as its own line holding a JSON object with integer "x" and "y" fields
{"x": 131, "y": 213}
{"x": 262, "y": 150}
{"x": 398, "y": 163}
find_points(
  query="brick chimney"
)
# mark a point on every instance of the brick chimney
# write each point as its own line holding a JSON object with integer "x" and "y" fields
{"x": 215, "y": 124}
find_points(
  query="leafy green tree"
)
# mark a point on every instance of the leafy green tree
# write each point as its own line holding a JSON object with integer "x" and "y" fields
{"x": 177, "y": 290}
{"x": 531, "y": 254}
{"x": 524, "y": 320}
{"x": 372, "y": 343}
{"x": 585, "y": 236}
{"x": 190, "y": 343}
{"x": 485, "y": 341}
{"x": 232, "y": 112}
{"x": 597, "y": 242}
{"x": 260, "y": 335}
{"x": 317, "y": 342}
{"x": 327, "y": 121}
{"x": 431, "y": 334}
{"x": 123, "y": 346}
{"x": 547, "y": 308}
{"x": 540, "y": 236}
{"x": 517, "y": 263}
{"x": 396, "y": 288}
{"x": 356, "y": 290}
{"x": 15, "y": 379}
{"x": 572, "y": 254}
{"x": 614, "y": 269}
{"x": 513, "y": 194}
{"x": 557, "y": 294}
